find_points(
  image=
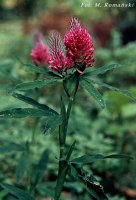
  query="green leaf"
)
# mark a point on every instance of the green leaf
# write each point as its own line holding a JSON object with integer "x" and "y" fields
{"x": 41, "y": 166}
{"x": 24, "y": 112}
{"x": 71, "y": 83}
{"x": 96, "y": 191}
{"x": 124, "y": 92}
{"x": 34, "y": 84}
{"x": 21, "y": 167}
{"x": 85, "y": 159}
{"x": 77, "y": 186}
{"x": 74, "y": 173}
{"x": 87, "y": 85}
{"x": 44, "y": 190}
{"x": 54, "y": 74}
{"x": 52, "y": 123}
{"x": 41, "y": 70}
{"x": 92, "y": 186}
{"x": 33, "y": 102}
{"x": 9, "y": 147}
{"x": 128, "y": 111}
{"x": 17, "y": 192}
{"x": 3, "y": 194}
{"x": 119, "y": 156}
{"x": 70, "y": 151}
{"x": 30, "y": 67}
{"x": 101, "y": 70}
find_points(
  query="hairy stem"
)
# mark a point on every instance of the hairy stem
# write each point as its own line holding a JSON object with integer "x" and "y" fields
{"x": 63, "y": 164}
{"x": 70, "y": 87}
{"x": 63, "y": 169}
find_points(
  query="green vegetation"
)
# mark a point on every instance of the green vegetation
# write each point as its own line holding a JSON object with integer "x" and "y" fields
{"x": 97, "y": 131}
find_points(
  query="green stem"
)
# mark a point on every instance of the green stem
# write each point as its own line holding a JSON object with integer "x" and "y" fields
{"x": 68, "y": 84}
{"x": 63, "y": 164}
{"x": 62, "y": 132}
{"x": 63, "y": 169}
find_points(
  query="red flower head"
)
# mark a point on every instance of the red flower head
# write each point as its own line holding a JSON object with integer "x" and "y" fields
{"x": 58, "y": 61}
{"x": 79, "y": 46}
{"x": 40, "y": 54}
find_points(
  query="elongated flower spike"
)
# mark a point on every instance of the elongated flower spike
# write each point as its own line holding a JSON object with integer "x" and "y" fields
{"x": 40, "y": 54}
{"x": 58, "y": 60}
{"x": 79, "y": 46}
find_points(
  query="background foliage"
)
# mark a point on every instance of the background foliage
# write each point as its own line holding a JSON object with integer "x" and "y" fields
{"x": 111, "y": 130}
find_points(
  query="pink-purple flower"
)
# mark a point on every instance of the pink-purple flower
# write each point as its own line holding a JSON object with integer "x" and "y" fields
{"x": 79, "y": 44}
{"x": 40, "y": 54}
{"x": 75, "y": 51}
{"x": 58, "y": 60}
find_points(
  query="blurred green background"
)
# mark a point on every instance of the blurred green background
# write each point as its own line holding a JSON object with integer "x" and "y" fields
{"x": 112, "y": 130}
